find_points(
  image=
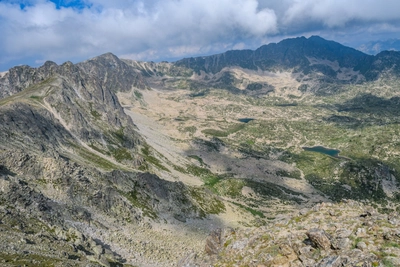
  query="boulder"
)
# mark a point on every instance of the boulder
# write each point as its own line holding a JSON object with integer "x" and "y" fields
{"x": 319, "y": 238}
{"x": 213, "y": 242}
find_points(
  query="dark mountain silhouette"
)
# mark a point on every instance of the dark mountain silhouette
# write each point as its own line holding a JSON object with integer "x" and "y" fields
{"x": 299, "y": 55}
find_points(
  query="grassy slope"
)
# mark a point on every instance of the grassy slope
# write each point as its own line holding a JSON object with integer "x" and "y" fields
{"x": 361, "y": 121}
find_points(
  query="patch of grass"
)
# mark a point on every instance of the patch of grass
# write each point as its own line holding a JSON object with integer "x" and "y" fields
{"x": 227, "y": 243}
{"x": 269, "y": 191}
{"x": 179, "y": 168}
{"x": 121, "y": 154}
{"x": 38, "y": 98}
{"x": 94, "y": 159}
{"x": 94, "y": 113}
{"x": 190, "y": 129}
{"x": 230, "y": 187}
{"x": 293, "y": 174}
{"x": 357, "y": 179}
{"x": 387, "y": 263}
{"x": 27, "y": 92}
{"x": 211, "y": 180}
{"x": 26, "y": 260}
{"x": 356, "y": 240}
{"x": 208, "y": 203}
{"x": 138, "y": 94}
{"x": 137, "y": 200}
{"x": 198, "y": 171}
{"x": 391, "y": 244}
{"x": 92, "y": 146}
{"x": 151, "y": 159}
{"x": 200, "y": 160}
{"x": 252, "y": 211}
{"x": 230, "y": 130}
{"x": 119, "y": 135}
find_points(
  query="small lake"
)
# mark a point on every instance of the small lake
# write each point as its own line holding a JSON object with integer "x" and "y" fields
{"x": 323, "y": 150}
{"x": 245, "y": 120}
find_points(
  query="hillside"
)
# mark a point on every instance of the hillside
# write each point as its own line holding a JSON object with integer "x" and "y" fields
{"x": 115, "y": 162}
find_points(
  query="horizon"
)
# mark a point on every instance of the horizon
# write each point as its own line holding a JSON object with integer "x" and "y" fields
{"x": 179, "y": 58}
{"x": 35, "y": 31}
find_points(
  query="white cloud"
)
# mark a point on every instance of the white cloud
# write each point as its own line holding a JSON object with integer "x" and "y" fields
{"x": 129, "y": 27}
{"x": 159, "y": 29}
{"x": 337, "y": 13}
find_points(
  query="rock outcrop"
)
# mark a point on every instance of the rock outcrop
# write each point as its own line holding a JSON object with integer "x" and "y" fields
{"x": 326, "y": 235}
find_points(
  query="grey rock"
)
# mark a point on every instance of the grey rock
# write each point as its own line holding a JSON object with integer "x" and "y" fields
{"x": 285, "y": 250}
{"x": 343, "y": 233}
{"x": 303, "y": 211}
{"x": 341, "y": 243}
{"x": 240, "y": 244}
{"x": 361, "y": 245}
{"x": 305, "y": 250}
{"x": 331, "y": 261}
{"x": 296, "y": 263}
{"x": 307, "y": 262}
{"x": 214, "y": 242}
{"x": 188, "y": 261}
{"x": 319, "y": 238}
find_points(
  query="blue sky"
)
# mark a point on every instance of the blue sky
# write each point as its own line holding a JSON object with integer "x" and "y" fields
{"x": 34, "y": 31}
{"x": 77, "y": 4}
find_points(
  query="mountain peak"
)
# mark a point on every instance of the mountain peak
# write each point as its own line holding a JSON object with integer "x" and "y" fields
{"x": 288, "y": 54}
{"x": 109, "y": 57}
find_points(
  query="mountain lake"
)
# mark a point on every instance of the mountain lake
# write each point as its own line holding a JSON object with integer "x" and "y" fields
{"x": 323, "y": 150}
{"x": 246, "y": 120}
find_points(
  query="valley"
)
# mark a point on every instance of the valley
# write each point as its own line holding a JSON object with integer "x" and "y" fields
{"x": 115, "y": 162}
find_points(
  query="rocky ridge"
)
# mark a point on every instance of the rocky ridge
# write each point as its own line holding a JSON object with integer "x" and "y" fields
{"x": 349, "y": 233}
{"x": 69, "y": 160}
{"x": 80, "y": 183}
{"x": 320, "y": 66}
{"x": 78, "y": 102}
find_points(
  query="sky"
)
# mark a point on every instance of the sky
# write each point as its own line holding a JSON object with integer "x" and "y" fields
{"x": 33, "y": 31}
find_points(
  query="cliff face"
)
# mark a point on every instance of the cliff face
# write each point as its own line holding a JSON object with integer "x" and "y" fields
{"x": 68, "y": 168}
{"x": 79, "y": 100}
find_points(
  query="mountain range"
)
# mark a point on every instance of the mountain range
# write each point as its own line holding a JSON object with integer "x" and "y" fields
{"x": 374, "y": 47}
{"x": 115, "y": 162}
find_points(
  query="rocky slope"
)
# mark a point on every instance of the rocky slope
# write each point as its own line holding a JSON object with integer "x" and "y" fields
{"x": 74, "y": 214}
{"x": 113, "y": 162}
{"x": 317, "y": 64}
{"x": 289, "y": 54}
{"x": 69, "y": 159}
{"x": 345, "y": 234}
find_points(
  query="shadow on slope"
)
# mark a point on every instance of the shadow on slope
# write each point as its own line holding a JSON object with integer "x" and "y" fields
{"x": 65, "y": 195}
{"x": 251, "y": 169}
{"x": 365, "y": 110}
{"x": 360, "y": 179}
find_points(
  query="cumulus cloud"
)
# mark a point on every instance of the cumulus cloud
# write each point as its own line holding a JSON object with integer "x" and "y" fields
{"x": 63, "y": 30}
{"x": 129, "y": 27}
{"x": 337, "y": 13}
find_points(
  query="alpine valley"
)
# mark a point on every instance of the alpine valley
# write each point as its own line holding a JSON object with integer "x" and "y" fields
{"x": 288, "y": 155}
